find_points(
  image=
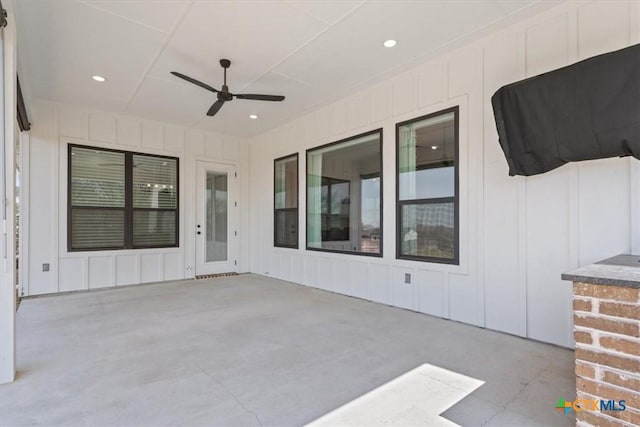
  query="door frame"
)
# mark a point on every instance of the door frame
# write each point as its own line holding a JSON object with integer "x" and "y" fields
{"x": 201, "y": 267}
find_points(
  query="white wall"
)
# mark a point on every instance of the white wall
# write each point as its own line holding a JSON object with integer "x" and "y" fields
{"x": 8, "y": 138}
{"x": 517, "y": 235}
{"x": 56, "y": 125}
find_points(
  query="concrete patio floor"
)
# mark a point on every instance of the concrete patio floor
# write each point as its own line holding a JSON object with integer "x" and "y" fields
{"x": 249, "y": 350}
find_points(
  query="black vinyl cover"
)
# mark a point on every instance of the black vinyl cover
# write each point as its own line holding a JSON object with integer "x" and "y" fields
{"x": 588, "y": 110}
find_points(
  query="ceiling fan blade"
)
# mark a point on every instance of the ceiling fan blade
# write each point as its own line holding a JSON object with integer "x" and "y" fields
{"x": 260, "y": 97}
{"x": 194, "y": 81}
{"x": 215, "y": 108}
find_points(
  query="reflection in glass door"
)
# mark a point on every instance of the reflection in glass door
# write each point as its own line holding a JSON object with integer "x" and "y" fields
{"x": 216, "y": 217}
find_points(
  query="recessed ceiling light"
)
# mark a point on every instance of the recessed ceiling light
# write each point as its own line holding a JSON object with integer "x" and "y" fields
{"x": 99, "y": 78}
{"x": 434, "y": 147}
{"x": 390, "y": 43}
{"x": 253, "y": 116}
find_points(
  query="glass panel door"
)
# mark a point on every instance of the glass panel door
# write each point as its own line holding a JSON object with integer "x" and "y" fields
{"x": 216, "y": 217}
{"x": 216, "y": 227}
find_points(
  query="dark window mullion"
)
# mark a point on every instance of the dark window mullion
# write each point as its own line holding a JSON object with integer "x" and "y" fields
{"x": 154, "y": 210}
{"x": 113, "y": 208}
{"x": 286, "y": 209}
{"x": 128, "y": 200}
{"x": 434, "y": 200}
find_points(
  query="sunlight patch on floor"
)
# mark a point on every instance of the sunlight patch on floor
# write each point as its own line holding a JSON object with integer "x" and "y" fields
{"x": 417, "y": 397}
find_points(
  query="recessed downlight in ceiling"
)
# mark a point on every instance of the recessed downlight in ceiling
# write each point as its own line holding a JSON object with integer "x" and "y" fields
{"x": 390, "y": 43}
{"x": 434, "y": 147}
{"x": 253, "y": 116}
{"x": 99, "y": 78}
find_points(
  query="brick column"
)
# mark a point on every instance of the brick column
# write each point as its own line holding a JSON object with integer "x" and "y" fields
{"x": 607, "y": 333}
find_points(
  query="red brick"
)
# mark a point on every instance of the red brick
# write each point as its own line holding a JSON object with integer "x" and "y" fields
{"x": 587, "y": 386}
{"x": 629, "y": 311}
{"x": 583, "y": 337}
{"x": 595, "y": 419}
{"x": 620, "y": 344}
{"x": 617, "y": 326}
{"x": 607, "y": 292}
{"x": 629, "y": 415}
{"x": 586, "y": 371}
{"x": 622, "y": 380}
{"x": 603, "y": 391}
{"x": 605, "y": 359}
{"x": 581, "y": 304}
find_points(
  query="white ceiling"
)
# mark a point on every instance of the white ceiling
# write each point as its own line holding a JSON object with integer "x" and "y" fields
{"x": 312, "y": 52}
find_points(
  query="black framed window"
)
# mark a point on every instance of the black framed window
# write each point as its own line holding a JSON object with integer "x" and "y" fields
{"x": 121, "y": 200}
{"x": 344, "y": 195}
{"x": 285, "y": 202}
{"x": 427, "y": 188}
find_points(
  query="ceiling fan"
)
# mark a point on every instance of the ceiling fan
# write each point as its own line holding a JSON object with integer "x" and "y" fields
{"x": 224, "y": 95}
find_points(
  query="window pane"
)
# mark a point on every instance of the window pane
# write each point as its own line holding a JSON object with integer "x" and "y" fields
{"x": 370, "y": 203}
{"x": 426, "y": 158}
{"x": 427, "y": 230}
{"x": 343, "y": 195}
{"x": 102, "y": 200}
{"x": 154, "y": 228}
{"x": 217, "y": 244}
{"x": 154, "y": 182}
{"x": 286, "y": 202}
{"x": 286, "y": 183}
{"x": 335, "y": 228}
{"x": 324, "y": 197}
{"x": 97, "y": 228}
{"x": 287, "y": 227}
{"x": 340, "y": 198}
{"x": 97, "y": 177}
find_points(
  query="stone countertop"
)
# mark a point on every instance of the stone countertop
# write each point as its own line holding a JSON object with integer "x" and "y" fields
{"x": 620, "y": 270}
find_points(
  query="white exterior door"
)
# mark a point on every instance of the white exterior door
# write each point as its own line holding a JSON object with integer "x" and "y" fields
{"x": 216, "y": 219}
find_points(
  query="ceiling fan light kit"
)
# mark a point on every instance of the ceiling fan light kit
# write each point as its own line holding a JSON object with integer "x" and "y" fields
{"x": 224, "y": 95}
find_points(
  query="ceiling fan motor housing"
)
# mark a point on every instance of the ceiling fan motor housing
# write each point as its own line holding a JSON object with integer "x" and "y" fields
{"x": 224, "y": 94}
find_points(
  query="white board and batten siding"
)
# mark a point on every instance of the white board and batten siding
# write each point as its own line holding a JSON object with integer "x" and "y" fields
{"x": 517, "y": 235}
{"x": 56, "y": 125}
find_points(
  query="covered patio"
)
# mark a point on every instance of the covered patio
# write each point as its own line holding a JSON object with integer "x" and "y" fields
{"x": 251, "y": 350}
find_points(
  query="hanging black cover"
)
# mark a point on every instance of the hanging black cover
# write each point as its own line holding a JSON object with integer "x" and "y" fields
{"x": 588, "y": 110}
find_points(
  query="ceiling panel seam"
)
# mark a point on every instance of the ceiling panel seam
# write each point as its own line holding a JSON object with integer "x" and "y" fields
{"x": 329, "y": 26}
{"x": 306, "y": 12}
{"x": 133, "y": 21}
{"x": 166, "y": 41}
{"x": 293, "y": 79}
